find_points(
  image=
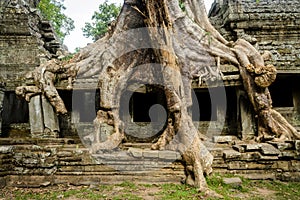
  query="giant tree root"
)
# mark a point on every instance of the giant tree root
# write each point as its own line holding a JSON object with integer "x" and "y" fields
{"x": 256, "y": 78}
{"x": 185, "y": 45}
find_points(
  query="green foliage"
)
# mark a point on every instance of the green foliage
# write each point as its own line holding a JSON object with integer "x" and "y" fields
{"x": 181, "y": 5}
{"x": 52, "y": 10}
{"x": 101, "y": 20}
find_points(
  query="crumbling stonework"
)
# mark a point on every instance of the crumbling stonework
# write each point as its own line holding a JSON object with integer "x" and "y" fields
{"x": 271, "y": 26}
{"x": 26, "y": 41}
{"x": 54, "y": 161}
{"x": 43, "y": 162}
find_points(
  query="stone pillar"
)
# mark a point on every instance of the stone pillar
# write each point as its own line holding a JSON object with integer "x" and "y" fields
{"x": 42, "y": 118}
{"x": 36, "y": 118}
{"x": 247, "y": 124}
{"x": 50, "y": 119}
{"x": 1, "y": 105}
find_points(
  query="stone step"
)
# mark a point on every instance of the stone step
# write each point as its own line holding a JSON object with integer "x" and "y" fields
{"x": 36, "y": 141}
{"x": 140, "y": 145}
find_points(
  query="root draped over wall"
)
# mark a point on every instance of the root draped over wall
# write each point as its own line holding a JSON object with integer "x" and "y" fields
{"x": 182, "y": 43}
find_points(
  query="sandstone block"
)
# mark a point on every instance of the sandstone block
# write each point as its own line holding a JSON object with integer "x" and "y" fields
{"x": 137, "y": 153}
{"x": 231, "y": 154}
{"x": 150, "y": 154}
{"x": 235, "y": 181}
{"x": 239, "y": 148}
{"x": 223, "y": 139}
{"x": 268, "y": 149}
{"x": 168, "y": 155}
{"x": 297, "y": 145}
{"x": 252, "y": 147}
{"x": 6, "y": 149}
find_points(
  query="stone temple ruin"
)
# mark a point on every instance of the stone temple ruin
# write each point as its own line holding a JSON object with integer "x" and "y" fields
{"x": 38, "y": 147}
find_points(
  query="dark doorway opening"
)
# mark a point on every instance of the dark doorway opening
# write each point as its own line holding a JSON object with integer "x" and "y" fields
{"x": 202, "y": 103}
{"x": 143, "y": 104}
{"x": 85, "y": 102}
{"x": 281, "y": 92}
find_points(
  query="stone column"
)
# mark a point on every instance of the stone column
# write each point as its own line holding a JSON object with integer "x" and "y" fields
{"x": 36, "y": 118}
{"x": 246, "y": 118}
{"x": 50, "y": 119}
{"x": 1, "y": 105}
{"x": 42, "y": 118}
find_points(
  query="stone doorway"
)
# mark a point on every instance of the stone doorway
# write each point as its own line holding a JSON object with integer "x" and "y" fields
{"x": 144, "y": 113}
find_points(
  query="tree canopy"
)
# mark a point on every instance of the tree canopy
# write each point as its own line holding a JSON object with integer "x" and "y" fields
{"x": 52, "y": 10}
{"x": 101, "y": 19}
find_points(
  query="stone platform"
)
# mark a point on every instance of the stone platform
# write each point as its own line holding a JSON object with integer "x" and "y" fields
{"x": 43, "y": 162}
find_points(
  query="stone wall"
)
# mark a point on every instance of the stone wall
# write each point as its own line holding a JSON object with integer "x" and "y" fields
{"x": 43, "y": 162}
{"x": 26, "y": 40}
{"x": 274, "y": 24}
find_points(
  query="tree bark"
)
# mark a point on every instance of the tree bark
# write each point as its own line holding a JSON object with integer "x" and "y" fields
{"x": 256, "y": 79}
{"x": 185, "y": 45}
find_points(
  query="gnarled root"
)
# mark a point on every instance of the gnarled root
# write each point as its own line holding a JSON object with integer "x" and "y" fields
{"x": 256, "y": 78}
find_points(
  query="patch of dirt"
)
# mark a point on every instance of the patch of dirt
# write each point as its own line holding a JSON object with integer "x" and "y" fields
{"x": 148, "y": 193}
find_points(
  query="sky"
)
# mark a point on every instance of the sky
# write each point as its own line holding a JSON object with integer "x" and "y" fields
{"x": 81, "y": 11}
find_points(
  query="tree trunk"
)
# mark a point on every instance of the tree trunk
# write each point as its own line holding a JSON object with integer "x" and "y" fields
{"x": 184, "y": 46}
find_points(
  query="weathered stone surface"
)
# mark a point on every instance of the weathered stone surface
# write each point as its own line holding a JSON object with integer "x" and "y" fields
{"x": 263, "y": 175}
{"x": 240, "y": 165}
{"x": 282, "y": 145}
{"x": 283, "y": 165}
{"x": 239, "y": 148}
{"x": 150, "y": 153}
{"x": 36, "y": 116}
{"x": 60, "y": 162}
{"x": 297, "y": 145}
{"x": 169, "y": 155}
{"x": 235, "y": 181}
{"x": 250, "y": 156}
{"x": 2, "y": 182}
{"x": 1, "y": 104}
{"x": 253, "y": 147}
{"x": 50, "y": 118}
{"x": 268, "y": 157}
{"x": 24, "y": 41}
{"x": 288, "y": 154}
{"x": 224, "y": 139}
{"x": 6, "y": 149}
{"x": 247, "y": 123}
{"x": 137, "y": 153}
{"x": 268, "y": 149}
{"x": 231, "y": 154}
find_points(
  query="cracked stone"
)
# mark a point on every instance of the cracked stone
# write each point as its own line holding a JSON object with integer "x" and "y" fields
{"x": 137, "y": 153}
{"x": 231, "y": 154}
{"x": 235, "y": 181}
{"x": 268, "y": 149}
{"x": 168, "y": 155}
{"x": 223, "y": 139}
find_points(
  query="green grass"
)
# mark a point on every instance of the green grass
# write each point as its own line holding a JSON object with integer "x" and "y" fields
{"x": 283, "y": 190}
{"x": 127, "y": 190}
{"x": 175, "y": 191}
{"x": 215, "y": 182}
